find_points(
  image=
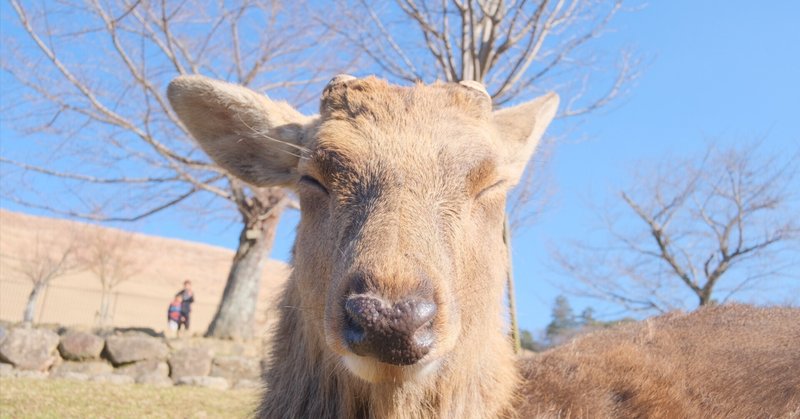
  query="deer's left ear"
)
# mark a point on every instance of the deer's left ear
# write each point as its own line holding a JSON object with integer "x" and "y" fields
{"x": 520, "y": 128}
{"x": 254, "y": 138}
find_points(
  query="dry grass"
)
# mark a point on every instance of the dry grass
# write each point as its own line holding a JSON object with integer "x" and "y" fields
{"x": 28, "y": 398}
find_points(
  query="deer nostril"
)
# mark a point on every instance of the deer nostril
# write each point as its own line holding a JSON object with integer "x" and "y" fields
{"x": 360, "y": 313}
{"x": 353, "y": 333}
{"x": 423, "y": 312}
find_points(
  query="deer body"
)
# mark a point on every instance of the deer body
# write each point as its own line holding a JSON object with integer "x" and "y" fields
{"x": 394, "y": 308}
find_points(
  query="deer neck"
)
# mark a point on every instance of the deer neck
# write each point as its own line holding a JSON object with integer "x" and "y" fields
{"x": 477, "y": 379}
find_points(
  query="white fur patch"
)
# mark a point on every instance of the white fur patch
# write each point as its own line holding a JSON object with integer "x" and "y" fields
{"x": 376, "y": 372}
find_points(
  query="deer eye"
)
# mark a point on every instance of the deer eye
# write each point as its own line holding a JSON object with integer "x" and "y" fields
{"x": 490, "y": 188}
{"x": 312, "y": 183}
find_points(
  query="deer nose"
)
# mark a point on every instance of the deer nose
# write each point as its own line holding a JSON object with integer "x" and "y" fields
{"x": 399, "y": 333}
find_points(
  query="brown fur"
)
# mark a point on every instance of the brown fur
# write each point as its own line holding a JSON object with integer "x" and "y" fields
{"x": 719, "y": 362}
{"x": 402, "y": 192}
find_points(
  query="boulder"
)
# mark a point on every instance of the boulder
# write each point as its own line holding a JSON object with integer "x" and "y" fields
{"x": 57, "y": 360}
{"x": 219, "y": 346}
{"x": 190, "y": 361}
{"x": 154, "y": 380}
{"x": 218, "y": 383}
{"x": 176, "y": 343}
{"x": 90, "y": 368}
{"x": 29, "y": 349}
{"x": 79, "y": 346}
{"x": 144, "y": 371}
{"x": 138, "y": 331}
{"x": 125, "y": 349}
{"x": 235, "y": 368}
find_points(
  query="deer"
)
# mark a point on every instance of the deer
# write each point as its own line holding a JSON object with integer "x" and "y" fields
{"x": 394, "y": 308}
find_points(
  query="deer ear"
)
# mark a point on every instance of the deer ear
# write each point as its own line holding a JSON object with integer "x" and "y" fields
{"x": 520, "y": 128}
{"x": 254, "y": 138}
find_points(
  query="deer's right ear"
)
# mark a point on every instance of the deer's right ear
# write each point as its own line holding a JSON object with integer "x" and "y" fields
{"x": 249, "y": 135}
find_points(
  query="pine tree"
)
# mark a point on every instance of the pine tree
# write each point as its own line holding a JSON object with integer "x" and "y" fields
{"x": 587, "y": 317}
{"x": 563, "y": 322}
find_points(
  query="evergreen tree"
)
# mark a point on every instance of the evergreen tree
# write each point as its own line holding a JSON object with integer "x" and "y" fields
{"x": 563, "y": 320}
{"x": 528, "y": 342}
{"x": 587, "y": 317}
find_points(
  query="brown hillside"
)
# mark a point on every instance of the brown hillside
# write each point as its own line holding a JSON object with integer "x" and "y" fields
{"x": 162, "y": 266}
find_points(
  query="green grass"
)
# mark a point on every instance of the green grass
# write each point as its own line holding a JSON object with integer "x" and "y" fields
{"x": 28, "y": 398}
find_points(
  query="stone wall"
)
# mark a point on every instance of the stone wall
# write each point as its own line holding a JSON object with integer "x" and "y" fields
{"x": 122, "y": 357}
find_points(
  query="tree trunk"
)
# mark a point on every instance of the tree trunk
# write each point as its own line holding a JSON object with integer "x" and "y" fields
{"x": 235, "y": 315}
{"x": 512, "y": 298}
{"x": 30, "y": 306}
{"x": 102, "y": 315}
{"x": 705, "y": 297}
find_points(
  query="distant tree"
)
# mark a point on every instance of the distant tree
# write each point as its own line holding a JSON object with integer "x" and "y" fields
{"x": 587, "y": 317}
{"x": 513, "y": 47}
{"x": 704, "y": 228}
{"x": 108, "y": 254}
{"x": 41, "y": 265}
{"x": 529, "y": 342}
{"x": 563, "y": 324}
{"x": 89, "y": 80}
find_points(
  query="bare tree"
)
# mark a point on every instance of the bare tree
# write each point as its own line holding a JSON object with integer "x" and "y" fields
{"x": 109, "y": 255}
{"x": 703, "y": 229}
{"x": 513, "y": 47}
{"x": 516, "y": 48}
{"x": 41, "y": 265}
{"x": 88, "y": 79}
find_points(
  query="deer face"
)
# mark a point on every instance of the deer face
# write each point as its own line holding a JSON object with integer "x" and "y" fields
{"x": 399, "y": 251}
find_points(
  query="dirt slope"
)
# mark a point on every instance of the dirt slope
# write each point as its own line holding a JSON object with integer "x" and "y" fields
{"x": 162, "y": 265}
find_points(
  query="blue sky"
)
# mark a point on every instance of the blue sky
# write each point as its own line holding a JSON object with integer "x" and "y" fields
{"x": 726, "y": 71}
{"x": 721, "y": 70}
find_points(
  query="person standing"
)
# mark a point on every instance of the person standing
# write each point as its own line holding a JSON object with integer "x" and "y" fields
{"x": 174, "y": 314}
{"x": 187, "y": 298}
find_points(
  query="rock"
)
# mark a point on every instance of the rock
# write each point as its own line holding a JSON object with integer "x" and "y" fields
{"x": 79, "y": 346}
{"x": 3, "y": 333}
{"x": 29, "y": 349}
{"x": 218, "y": 383}
{"x": 57, "y": 360}
{"x": 247, "y": 385}
{"x": 154, "y": 380}
{"x": 235, "y": 368}
{"x": 144, "y": 371}
{"x": 6, "y": 370}
{"x": 190, "y": 361}
{"x": 90, "y": 368}
{"x": 113, "y": 379}
{"x": 125, "y": 349}
{"x": 177, "y": 344}
{"x": 220, "y": 347}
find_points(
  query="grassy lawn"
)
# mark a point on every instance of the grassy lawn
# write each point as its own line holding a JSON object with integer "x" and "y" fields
{"x": 27, "y": 398}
